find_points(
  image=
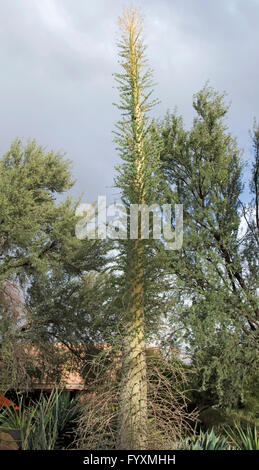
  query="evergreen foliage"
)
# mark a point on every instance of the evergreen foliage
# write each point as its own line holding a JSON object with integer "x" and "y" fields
{"x": 38, "y": 247}
{"x": 215, "y": 273}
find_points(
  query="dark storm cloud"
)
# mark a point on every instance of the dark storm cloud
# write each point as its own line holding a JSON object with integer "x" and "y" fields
{"x": 58, "y": 56}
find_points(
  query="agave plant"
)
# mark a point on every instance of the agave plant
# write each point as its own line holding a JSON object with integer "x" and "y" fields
{"x": 205, "y": 441}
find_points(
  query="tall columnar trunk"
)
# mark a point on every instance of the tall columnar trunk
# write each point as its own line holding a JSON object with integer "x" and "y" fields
{"x": 132, "y": 423}
{"x": 132, "y": 430}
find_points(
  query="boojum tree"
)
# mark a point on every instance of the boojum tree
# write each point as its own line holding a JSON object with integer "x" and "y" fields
{"x": 138, "y": 177}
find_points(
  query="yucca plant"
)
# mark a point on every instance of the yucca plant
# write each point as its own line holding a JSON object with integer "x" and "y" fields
{"x": 244, "y": 439}
{"x": 45, "y": 424}
{"x": 21, "y": 419}
{"x": 54, "y": 421}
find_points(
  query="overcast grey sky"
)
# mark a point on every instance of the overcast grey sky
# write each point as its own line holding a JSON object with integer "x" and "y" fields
{"x": 57, "y": 59}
